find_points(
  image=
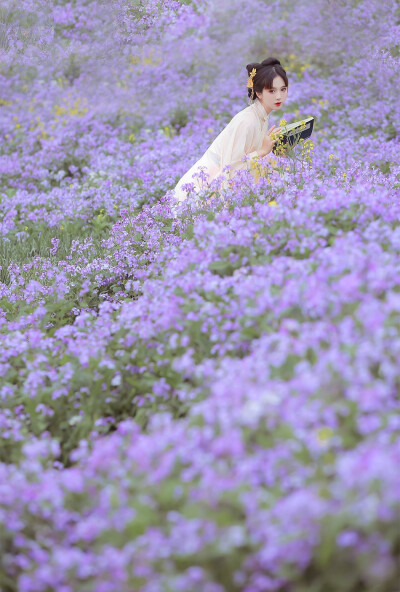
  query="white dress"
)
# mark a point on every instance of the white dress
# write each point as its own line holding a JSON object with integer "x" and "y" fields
{"x": 244, "y": 134}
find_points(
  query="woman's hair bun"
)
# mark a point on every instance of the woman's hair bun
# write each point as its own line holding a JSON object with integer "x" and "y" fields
{"x": 267, "y": 62}
{"x": 249, "y": 67}
{"x": 270, "y": 62}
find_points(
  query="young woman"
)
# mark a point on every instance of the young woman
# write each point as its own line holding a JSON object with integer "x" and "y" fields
{"x": 246, "y": 133}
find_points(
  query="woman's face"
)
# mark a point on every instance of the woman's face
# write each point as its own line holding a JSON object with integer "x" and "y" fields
{"x": 274, "y": 99}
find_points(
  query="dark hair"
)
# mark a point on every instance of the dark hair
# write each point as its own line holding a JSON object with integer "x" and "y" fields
{"x": 265, "y": 74}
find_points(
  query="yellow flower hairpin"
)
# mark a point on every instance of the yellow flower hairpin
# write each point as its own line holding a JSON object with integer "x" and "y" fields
{"x": 250, "y": 82}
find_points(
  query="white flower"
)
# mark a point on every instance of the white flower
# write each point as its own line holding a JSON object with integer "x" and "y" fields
{"x": 116, "y": 381}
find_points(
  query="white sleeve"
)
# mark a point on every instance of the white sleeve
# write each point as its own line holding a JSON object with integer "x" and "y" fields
{"x": 236, "y": 143}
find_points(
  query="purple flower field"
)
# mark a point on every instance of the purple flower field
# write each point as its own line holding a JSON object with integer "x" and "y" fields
{"x": 203, "y": 398}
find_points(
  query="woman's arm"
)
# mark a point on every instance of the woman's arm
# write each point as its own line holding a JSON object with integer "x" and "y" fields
{"x": 236, "y": 143}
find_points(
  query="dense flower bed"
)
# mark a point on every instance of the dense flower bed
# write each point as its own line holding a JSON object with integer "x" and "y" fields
{"x": 203, "y": 398}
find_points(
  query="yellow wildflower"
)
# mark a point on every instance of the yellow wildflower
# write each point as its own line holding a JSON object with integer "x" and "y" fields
{"x": 272, "y": 203}
{"x": 324, "y": 434}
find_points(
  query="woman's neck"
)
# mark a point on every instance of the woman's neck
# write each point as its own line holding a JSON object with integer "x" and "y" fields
{"x": 267, "y": 109}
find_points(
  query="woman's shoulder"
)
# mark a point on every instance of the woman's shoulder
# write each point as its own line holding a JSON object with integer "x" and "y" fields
{"x": 246, "y": 115}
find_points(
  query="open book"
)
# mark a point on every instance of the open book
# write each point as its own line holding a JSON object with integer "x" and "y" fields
{"x": 294, "y": 132}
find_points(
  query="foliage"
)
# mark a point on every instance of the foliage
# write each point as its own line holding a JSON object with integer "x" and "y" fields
{"x": 205, "y": 397}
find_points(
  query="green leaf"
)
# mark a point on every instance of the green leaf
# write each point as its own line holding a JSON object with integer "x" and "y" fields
{"x": 222, "y": 268}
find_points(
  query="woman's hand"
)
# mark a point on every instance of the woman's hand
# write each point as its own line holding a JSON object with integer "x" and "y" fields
{"x": 268, "y": 141}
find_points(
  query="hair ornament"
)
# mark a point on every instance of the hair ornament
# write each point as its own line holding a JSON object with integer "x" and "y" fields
{"x": 250, "y": 82}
